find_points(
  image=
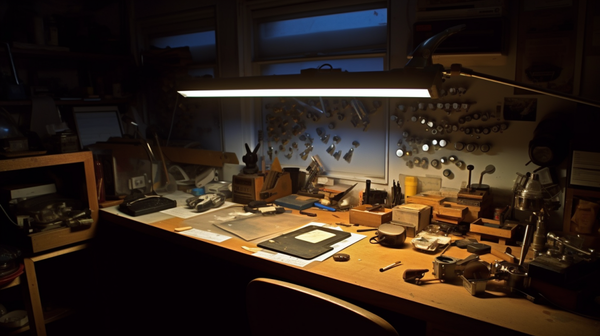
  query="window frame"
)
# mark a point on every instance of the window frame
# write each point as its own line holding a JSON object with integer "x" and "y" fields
{"x": 299, "y": 9}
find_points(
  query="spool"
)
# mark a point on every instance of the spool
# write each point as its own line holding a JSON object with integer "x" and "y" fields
{"x": 410, "y": 184}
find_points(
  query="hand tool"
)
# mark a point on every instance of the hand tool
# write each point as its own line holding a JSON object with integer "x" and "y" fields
{"x": 324, "y": 207}
{"x": 309, "y": 214}
{"x": 390, "y": 266}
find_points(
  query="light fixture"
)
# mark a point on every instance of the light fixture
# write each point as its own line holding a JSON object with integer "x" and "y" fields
{"x": 407, "y": 82}
{"x": 419, "y": 78}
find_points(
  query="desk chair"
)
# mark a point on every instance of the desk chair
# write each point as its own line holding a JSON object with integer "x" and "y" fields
{"x": 282, "y": 308}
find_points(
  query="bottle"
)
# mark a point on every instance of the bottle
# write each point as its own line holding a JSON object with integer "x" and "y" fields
{"x": 410, "y": 184}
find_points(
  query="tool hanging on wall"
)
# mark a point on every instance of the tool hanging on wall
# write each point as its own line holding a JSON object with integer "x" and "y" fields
{"x": 489, "y": 169}
{"x": 314, "y": 169}
{"x": 17, "y": 90}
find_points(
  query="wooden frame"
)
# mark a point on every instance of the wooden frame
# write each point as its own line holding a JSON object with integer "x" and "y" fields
{"x": 38, "y": 317}
{"x": 573, "y": 199}
{"x": 46, "y": 240}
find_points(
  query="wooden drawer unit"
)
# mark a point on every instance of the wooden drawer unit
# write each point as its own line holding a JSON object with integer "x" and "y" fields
{"x": 73, "y": 174}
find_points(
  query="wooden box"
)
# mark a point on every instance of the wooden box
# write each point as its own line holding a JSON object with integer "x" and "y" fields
{"x": 493, "y": 229}
{"x": 360, "y": 215}
{"x": 431, "y": 200}
{"x": 417, "y": 215}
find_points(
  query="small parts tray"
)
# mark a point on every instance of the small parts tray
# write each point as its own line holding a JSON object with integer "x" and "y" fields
{"x": 491, "y": 227}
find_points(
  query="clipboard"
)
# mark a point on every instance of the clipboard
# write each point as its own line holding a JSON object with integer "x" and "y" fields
{"x": 307, "y": 242}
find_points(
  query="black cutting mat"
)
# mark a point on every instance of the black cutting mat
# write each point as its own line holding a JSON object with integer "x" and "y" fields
{"x": 292, "y": 243}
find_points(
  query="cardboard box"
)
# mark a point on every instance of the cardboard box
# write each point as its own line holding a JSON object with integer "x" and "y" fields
{"x": 417, "y": 215}
{"x": 360, "y": 215}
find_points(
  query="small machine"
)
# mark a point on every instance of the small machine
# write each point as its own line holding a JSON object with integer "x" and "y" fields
{"x": 311, "y": 187}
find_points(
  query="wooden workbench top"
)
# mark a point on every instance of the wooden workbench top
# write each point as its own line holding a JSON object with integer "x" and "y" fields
{"x": 447, "y": 307}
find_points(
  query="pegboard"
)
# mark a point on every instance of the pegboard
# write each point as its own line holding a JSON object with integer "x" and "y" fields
{"x": 431, "y": 132}
{"x": 350, "y": 136}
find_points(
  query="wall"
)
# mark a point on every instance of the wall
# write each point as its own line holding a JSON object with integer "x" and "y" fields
{"x": 509, "y": 151}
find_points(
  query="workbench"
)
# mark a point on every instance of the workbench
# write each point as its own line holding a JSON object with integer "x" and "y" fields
{"x": 444, "y": 308}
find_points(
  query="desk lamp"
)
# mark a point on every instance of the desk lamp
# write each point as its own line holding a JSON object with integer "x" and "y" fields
{"x": 419, "y": 78}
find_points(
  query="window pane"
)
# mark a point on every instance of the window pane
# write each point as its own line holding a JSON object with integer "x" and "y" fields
{"x": 363, "y": 31}
{"x": 210, "y": 72}
{"x": 351, "y": 65}
{"x": 316, "y": 24}
{"x": 202, "y": 45}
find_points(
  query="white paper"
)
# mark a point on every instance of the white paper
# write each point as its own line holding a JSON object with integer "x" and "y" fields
{"x": 585, "y": 169}
{"x": 282, "y": 258}
{"x": 146, "y": 219}
{"x": 337, "y": 247}
{"x": 216, "y": 237}
{"x": 315, "y": 236}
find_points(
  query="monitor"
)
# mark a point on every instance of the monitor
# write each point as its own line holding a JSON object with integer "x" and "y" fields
{"x": 97, "y": 123}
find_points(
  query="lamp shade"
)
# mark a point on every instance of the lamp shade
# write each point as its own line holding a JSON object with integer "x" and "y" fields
{"x": 408, "y": 82}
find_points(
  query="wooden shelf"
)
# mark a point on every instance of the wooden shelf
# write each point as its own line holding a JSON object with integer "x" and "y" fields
{"x": 68, "y": 102}
{"x": 40, "y": 246}
{"x": 63, "y": 54}
{"x": 15, "y": 282}
{"x": 49, "y": 317}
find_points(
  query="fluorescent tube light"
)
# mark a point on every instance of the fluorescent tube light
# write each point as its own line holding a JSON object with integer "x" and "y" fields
{"x": 418, "y": 83}
{"x": 365, "y": 92}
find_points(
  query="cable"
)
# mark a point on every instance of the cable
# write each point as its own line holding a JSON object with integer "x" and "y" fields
{"x": 172, "y": 119}
{"x": 596, "y": 318}
{"x": 7, "y": 216}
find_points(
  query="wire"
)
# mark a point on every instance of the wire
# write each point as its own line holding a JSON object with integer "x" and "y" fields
{"x": 567, "y": 309}
{"x": 7, "y": 216}
{"x": 172, "y": 119}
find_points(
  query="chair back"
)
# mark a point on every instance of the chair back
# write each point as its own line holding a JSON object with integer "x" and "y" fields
{"x": 281, "y": 308}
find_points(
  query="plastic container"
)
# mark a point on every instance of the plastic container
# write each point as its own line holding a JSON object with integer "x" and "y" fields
{"x": 410, "y": 186}
{"x": 14, "y": 319}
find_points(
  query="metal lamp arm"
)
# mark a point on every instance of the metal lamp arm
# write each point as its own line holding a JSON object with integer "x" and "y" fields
{"x": 458, "y": 70}
{"x": 421, "y": 57}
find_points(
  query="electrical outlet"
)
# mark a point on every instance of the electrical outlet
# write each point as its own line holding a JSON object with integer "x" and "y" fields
{"x": 137, "y": 182}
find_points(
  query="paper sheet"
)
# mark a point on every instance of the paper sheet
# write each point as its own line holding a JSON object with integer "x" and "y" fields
{"x": 260, "y": 226}
{"x": 146, "y": 219}
{"x": 219, "y": 238}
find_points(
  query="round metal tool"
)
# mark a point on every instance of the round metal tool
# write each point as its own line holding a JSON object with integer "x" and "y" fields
{"x": 470, "y": 169}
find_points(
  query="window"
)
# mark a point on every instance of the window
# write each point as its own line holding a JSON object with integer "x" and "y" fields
{"x": 174, "y": 25}
{"x": 202, "y": 47}
{"x": 335, "y": 34}
{"x": 348, "y": 40}
{"x": 351, "y": 64}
